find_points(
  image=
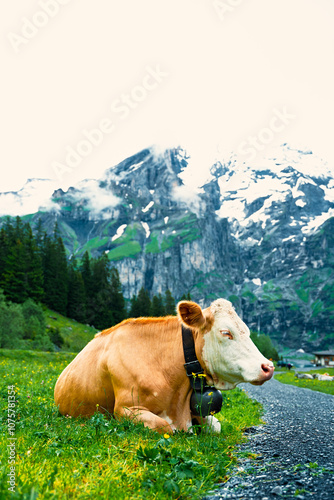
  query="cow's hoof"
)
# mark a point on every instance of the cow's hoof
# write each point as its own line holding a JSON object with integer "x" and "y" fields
{"x": 213, "y": 424}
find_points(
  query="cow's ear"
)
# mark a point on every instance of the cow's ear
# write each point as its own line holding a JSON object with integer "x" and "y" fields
{"x": 191, "y": 314}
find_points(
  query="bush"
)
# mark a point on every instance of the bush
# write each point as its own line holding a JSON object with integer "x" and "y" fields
{"x": 265, "y": 346}
{"x": 23, "y": 326}
{"x": 34, "y": 321}
{"x": 43, "y": 343}
{"x": 11, "y": 324}
{"x": 55, "y": 336}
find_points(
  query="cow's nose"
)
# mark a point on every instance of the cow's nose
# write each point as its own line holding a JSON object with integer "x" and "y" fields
{"x": 268, "y": 370}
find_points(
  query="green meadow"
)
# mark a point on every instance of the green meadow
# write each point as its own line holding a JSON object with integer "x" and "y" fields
{"x": 315, "y": 385}
{"x": 58, "y": 457}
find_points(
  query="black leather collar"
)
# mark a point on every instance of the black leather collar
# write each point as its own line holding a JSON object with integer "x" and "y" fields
{"x": 192, "y": 365}
{"x": 205, "y": 400}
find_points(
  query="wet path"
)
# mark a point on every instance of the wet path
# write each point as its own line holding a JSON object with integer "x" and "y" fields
{"x": 295, "y": 448}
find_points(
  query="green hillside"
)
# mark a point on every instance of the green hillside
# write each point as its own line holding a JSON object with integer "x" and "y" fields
{"x": 75, "y": 335}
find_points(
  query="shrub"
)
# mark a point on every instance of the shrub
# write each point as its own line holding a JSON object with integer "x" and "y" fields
{"x": 11, "y": 324}
{"x": 265, "y": 346}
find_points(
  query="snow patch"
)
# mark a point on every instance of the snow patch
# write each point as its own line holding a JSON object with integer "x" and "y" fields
{"x": 119, "y": 232}
{"x": 147, "y": 229}
{"x": 300, "y": 203}
{"x": 315, "y": 223}
{"x": 146, "y": 209}
{"x": 166, "y": 219}
{"x": 329, "y": 191}
{"x": 135, "y": 166}
{"x": 257, "y": 281}
{"x": 251, "y": 241}
{"x": 289, "y": 238}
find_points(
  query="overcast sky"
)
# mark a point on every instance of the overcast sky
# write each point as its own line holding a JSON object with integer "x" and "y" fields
{"x": 210, "y": 76}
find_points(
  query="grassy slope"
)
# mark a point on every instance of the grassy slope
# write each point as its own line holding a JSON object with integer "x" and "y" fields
{"x": 315, "y": 385}
{"x": 75, "y": 335}
{"x": 64, "y": 458}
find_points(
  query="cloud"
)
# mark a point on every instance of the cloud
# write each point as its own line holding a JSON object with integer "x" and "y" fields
{"x": 99, "y": 200}
{"x": 35, "y": 195}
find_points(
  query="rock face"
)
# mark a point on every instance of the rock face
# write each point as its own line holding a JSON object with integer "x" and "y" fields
{"x": 260, "y": 236}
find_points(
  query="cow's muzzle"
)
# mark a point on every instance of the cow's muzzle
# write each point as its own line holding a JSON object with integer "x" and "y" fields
{"x": 267, "y": 371}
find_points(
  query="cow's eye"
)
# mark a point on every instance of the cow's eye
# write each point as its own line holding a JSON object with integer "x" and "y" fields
{"x": 226, "y": 333}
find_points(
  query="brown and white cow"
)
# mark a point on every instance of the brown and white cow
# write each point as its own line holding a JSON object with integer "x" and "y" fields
{"x": 136, "y": 368}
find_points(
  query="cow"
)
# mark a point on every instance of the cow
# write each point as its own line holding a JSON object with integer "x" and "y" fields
{"x": 136, "y": 368}
{"x": 324, "y": 376}
{"x": 306, "y": 376}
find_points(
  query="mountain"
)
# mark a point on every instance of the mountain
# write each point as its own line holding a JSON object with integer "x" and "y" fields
{"x": 260, "y": 235}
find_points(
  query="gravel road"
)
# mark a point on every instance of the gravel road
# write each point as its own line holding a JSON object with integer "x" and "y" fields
{"x": 295, "y": 449}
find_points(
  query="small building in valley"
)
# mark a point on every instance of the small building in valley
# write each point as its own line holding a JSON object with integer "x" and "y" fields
{"x": 324, "y": 358}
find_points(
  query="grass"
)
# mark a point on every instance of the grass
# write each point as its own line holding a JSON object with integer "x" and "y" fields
{"x": 129, "y": 249}
{"x": 93, "y": 244}
{"x": 176, "y": 231}
{"x": 74, "y": 334}
{"x": 315, "y": 385}
{"x": 64, "y": 458}
{"x": 126, "y": 245}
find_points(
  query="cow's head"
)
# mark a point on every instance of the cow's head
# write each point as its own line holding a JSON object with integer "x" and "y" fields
{"x": 229, "y": 355}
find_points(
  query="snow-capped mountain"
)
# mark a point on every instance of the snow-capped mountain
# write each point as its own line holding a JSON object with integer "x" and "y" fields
{"x": 249, "y": 194}
{"x": 258, "y": 234}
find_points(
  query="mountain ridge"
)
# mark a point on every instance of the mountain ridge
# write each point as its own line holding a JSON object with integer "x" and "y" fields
{"x": 259, "y": 235}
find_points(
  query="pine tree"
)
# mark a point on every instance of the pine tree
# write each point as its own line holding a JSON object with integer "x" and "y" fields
{"x": 55, "y": 273}
{"x": 3, "y": 251}
{"x": 158, "y": 307}
{"x": 13, "y": 279}
{"x": 186, "y": 296}
{"x": 76, "y": 302}
{"x": 117, "y": 298}
{"x": 134, "y": 309}
{"x": 61, "y": 277}
{"x": 143, "y": 303}
{"x": 9, "y": 229}
{"x": 39, "y": 234}
{"x": 18, "y": 229}
{"x": 101, "y": 294}
{"x": 13, "y": 272}
{"x": 169, "y": 303}
{"x": 34, "y": 270}
{"x": 86, "y": 273}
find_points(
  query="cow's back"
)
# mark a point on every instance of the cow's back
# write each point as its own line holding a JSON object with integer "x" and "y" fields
{"x": 125, "y": 356}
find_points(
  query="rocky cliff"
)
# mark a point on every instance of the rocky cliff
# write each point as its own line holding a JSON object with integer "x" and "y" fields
{"x": 261, "y": 236}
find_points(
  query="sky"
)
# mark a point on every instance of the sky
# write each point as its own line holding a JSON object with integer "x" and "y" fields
{"x": 86, "y": 84}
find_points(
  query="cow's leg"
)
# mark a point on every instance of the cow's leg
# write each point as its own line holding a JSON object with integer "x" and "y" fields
{"x": 209, "y": 423}
{"x": 140, "y": 414}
